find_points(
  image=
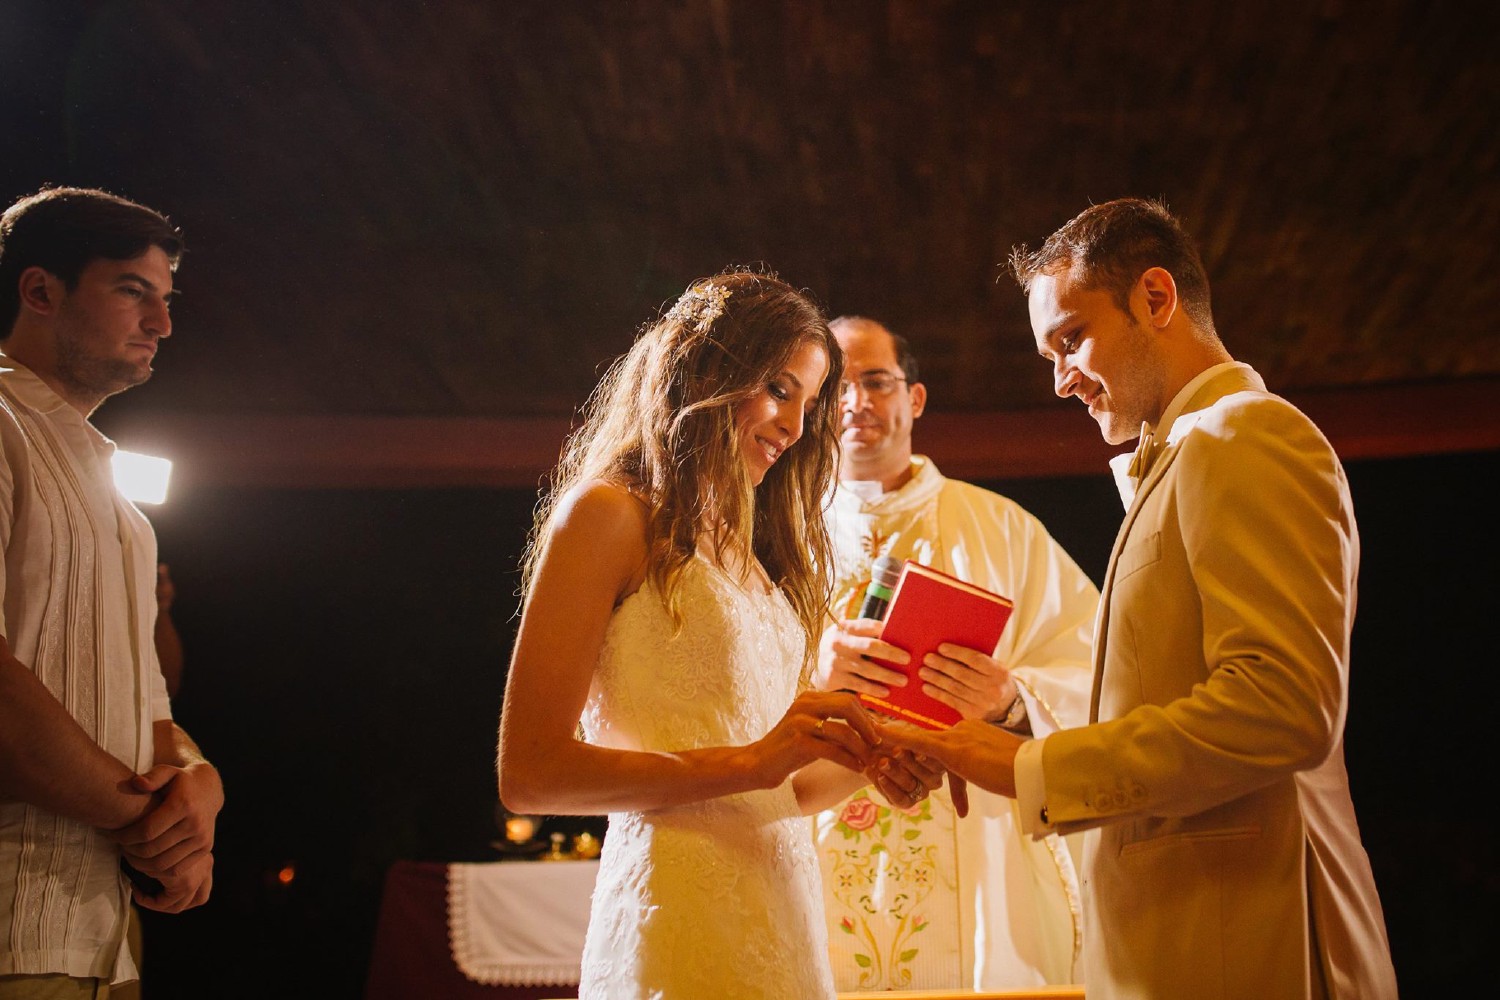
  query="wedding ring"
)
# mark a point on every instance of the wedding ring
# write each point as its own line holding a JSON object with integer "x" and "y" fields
{"x": 819, "y": 727}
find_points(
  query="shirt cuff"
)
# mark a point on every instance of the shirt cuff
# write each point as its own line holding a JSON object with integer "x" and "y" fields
{"x": 1031, "y": 789}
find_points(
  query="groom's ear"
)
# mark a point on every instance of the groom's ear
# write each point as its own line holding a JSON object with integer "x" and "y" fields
{"x": 1155, "y": 297}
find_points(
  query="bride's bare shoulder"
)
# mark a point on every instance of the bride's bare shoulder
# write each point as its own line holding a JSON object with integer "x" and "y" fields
{"x": 604, "y": 508}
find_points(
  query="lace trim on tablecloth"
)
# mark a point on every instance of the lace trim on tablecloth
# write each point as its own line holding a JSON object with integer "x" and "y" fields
{"x": 503, "y": 931}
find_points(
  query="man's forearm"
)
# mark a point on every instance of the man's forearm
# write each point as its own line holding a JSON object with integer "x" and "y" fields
{"x": 47, "y": 760}
{"x": 174, "y": 746}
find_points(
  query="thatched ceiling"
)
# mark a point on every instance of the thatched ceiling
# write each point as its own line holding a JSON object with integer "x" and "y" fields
{"x": 459, "y": 210}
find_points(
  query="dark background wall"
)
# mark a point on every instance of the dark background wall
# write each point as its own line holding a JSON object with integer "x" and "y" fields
{"x": 448, "y": 209}
{"x": 345, "y": 665}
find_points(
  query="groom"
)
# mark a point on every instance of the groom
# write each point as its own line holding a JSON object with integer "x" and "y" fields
{"x": 1211, "y": 782}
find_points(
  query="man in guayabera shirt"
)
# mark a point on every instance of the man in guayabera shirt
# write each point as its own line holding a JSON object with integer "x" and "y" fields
{"x": 93, "y": 771}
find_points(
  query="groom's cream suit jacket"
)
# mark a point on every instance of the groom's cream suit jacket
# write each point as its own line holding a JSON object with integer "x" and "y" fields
{"x": 1222, "y": 857}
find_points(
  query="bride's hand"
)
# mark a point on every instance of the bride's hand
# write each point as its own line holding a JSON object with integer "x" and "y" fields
{"x": 831, "y": 725}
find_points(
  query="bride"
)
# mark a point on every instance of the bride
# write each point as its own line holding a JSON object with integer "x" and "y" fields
{"x": 675, "y": 586}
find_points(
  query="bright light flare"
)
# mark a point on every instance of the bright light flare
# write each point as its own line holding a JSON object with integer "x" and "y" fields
{"x": 142, "y": 478}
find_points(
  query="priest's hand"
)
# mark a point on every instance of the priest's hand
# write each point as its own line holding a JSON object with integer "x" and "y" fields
{"x": 842, "y": 663}
{"x": 976, "y": 684}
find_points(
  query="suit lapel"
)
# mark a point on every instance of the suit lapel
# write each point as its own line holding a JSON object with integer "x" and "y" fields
{"x": 1231, "y": 381}
{"x": 1101, "y": 623}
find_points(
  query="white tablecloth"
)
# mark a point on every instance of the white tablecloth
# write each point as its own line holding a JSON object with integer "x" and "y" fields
{"x": 520, "y": 923}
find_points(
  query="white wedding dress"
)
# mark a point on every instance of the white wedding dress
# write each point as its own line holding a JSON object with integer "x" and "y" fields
{"x": 718, "y": 899}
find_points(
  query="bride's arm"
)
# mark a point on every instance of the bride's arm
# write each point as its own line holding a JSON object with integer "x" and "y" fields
{"x": 823, "y": 784}
{"x": 595, "y": 557}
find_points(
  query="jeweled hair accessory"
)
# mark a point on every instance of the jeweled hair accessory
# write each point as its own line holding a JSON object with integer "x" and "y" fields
{"x": 699, "y": 307}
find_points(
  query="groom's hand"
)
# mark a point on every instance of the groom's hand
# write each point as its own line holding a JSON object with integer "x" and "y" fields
{"x": 972, "y": 750}
{"x": 904, "y": 778}
{"x": 958, "y": 791}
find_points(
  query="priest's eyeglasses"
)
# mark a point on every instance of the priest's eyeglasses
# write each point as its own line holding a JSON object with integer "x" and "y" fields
{"x": 872, "y": 384}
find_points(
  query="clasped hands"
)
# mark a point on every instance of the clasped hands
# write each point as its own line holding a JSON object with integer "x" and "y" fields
{"x": 904, "y": 762}
{"x": 173, "y": 839}
{"x": 834, "y": 726}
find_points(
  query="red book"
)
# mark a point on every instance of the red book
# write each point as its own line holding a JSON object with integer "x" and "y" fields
{"x": 929, "y": 608}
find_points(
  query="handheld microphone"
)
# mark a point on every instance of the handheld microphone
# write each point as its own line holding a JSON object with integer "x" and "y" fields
{"x": 883, "y": 576}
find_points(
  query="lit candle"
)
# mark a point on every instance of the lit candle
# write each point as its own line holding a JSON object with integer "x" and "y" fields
{"x": 586, "y": 845}
{"x": 519, "y": 829}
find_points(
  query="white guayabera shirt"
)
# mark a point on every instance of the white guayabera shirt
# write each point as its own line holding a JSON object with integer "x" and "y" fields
{"x": 77, "y": 605}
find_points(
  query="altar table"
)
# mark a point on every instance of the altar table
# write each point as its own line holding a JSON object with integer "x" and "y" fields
{"x": 509, "y": 930}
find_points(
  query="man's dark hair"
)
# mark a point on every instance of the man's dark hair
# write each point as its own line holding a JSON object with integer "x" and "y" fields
{"x": 64, "y": 229}
{"x": 1110, "y": 246}
{"x": 906, "y": 358}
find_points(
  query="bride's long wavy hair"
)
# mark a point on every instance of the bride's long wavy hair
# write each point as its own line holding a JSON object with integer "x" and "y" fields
{"x": 662, "y": 423}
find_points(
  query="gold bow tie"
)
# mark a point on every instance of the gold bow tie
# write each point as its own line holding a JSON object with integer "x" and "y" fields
{"x": 1145, "y": 454}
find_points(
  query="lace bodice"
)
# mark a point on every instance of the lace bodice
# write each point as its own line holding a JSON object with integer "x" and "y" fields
{"x": 718, "y": 898}
{"x": 725, "y": 678}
